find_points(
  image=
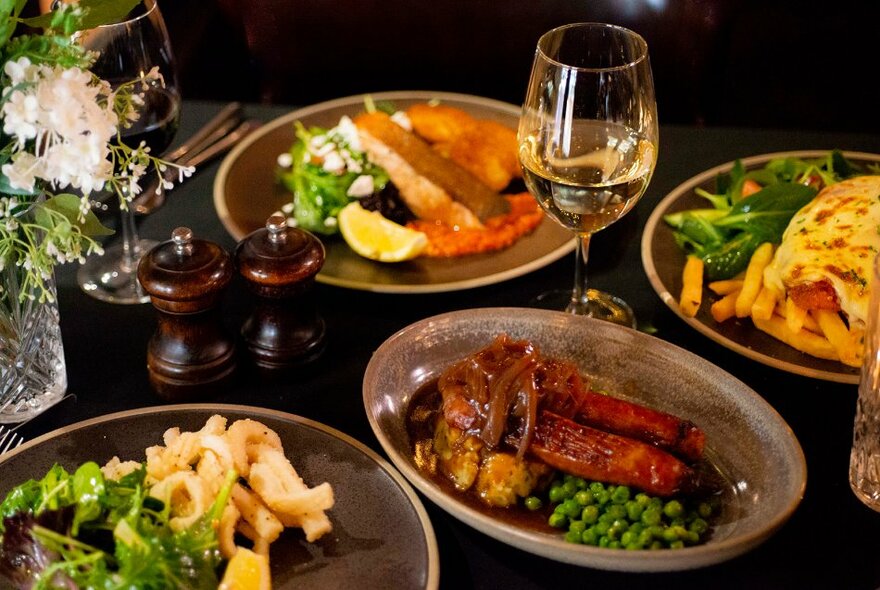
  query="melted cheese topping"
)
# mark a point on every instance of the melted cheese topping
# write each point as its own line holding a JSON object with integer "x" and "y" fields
{"x": 834, "y": 239}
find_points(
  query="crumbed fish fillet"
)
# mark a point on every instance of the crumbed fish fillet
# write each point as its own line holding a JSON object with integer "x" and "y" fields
{"x": 424, "y": 198}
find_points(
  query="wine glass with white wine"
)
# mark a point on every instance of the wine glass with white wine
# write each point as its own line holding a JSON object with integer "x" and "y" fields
{"x": 588, "y": 140}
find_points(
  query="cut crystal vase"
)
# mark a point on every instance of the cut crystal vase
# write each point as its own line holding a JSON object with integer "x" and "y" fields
{"x": 32, "y": 371}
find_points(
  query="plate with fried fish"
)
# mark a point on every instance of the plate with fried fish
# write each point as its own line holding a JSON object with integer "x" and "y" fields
{"x": 481, "y": 225}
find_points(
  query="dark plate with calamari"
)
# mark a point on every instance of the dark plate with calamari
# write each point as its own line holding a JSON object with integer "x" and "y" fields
{"x": 478, "y": 408}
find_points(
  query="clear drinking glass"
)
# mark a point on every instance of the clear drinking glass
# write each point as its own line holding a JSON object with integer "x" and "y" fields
{"x": 128, "y": 50}
{"x": 864, "y": 466}
{"x": 588, "y": 140}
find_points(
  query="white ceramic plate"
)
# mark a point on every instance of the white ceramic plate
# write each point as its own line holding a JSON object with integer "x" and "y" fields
{"x": 748, "y": 443}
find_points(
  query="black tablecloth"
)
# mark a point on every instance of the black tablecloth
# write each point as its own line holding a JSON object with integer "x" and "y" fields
{"x": 832, "y": 541}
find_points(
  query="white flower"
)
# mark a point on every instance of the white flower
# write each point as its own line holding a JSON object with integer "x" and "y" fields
{"x": 20, "y": 114}
{"x": 23, "y": 171}
{"x": 70, "y": 116}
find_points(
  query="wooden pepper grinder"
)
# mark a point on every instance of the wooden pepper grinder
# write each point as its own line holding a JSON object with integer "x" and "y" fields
{"x": 190, "y": 354}
{"x": 279, "y": 264}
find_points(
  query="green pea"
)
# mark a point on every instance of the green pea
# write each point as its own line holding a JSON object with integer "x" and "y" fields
{"x": 634, "y": 510}
{"x": 676, "y": 545}
{"x": 699, "y": 526}
{"x": 645, "y": 537}
{"x": 636, "y": 527}
{"x": 613, "y": 544}
{"x": 604, "y": 541}
{"x": 605, "y": 517}
{"x": 597, "y": 486}
{"x": 569, "y": 489}
{"x": 602, "y": 497}
{"x": 534, "y": 503}
{"x": 655, "y": 545}
{"x": 692, "y": 538}
{"x": 651, "y": 516}
{"x": 590, "y": 537}
{"x": 655, "y": 502}
{"x": 556, "y": 494}
{"x": 628, "y": 538}
{"x": 602, "y": 527}
{"x": 590, "y": 514}
{"x": 670, "y": 535}
{"x": 580, "y": 483}
{"x": 577, "y": 526}
{"x": 620, "y": 495}
{"x": 618, "y": 527}
{"x": 704, "y": 509}
{"x": 616, "y": 511}
{"x": 572, "y": 537}
{"x": 634, "y": 546}
{"x": 570, "y": 508}
{"x": 558, "y": 520}
{"x": 673, "y": 509}
{"x": 583, "y": 497}
{"x": 643, "y": 499}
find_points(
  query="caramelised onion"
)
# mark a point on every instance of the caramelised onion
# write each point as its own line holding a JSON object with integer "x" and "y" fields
{"x": 502, "y": 393}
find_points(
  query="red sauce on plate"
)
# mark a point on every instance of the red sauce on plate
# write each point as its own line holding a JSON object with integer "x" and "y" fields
{"x": 499, "y": 232}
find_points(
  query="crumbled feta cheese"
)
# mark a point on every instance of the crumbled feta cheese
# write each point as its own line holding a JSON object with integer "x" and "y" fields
{"x": 285, "y": 160}
{"x": 287, "y": 208}
{"x": 401, "y": 119}
{"x": 334, "y": 163}
{"x": 323, "y": 149}
{"x": 331, "y": 222}
{"x": 363, "y": 186}
{"x": 347, "y": 129}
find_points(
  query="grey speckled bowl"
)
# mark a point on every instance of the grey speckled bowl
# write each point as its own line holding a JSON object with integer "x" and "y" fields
{"x": 751, "y": 446}
{"x": 381, "y": 537}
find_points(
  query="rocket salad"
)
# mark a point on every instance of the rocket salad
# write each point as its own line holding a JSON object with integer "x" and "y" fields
{"x": 751, "y": 207}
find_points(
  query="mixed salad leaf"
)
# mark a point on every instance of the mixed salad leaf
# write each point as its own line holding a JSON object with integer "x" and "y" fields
{"x": 725, "y": 235}
{"x": 325, "y": 165}
{"x": 80, "y": 530}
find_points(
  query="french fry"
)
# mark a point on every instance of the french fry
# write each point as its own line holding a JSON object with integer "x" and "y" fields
{"x": 803, "y": 340}
{"x": 764, "y": 305}
{"x": 692, "y": 286}
{"x": 794, "y": 315}
{"x": 754, "y": 279}
{"x": 847, "y": 344}
{"x": 724, "y": 308}
{"x": 806, "y": 320}
{"x": 725, "y": 287}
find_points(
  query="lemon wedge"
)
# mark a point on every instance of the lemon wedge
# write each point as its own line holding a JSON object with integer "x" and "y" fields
{"x": 246, "y": 571}
{"x": 377, "y": 238}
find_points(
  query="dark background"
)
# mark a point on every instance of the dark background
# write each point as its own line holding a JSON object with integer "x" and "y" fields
{"x": 775, "y": 64}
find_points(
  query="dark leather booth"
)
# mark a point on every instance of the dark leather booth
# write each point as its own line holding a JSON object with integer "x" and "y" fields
{"x": 770, "y": 64}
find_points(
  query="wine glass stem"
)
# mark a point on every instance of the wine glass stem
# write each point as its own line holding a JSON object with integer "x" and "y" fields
{"x": 579, "y": 303}
{"x": 130, "y": 242}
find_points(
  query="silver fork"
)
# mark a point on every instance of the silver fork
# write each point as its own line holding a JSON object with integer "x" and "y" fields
{"x": 9, "y": 439}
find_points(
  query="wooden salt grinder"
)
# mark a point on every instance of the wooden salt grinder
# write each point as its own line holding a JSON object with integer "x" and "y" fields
{"x": 279, "y": 264}
{"x": 189, "y": 355}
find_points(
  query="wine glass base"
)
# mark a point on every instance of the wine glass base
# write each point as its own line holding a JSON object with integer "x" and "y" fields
{"x": 599, "y": 305}
{"x": 108, "y": 278}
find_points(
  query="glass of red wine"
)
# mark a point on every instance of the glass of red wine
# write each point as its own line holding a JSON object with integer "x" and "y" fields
{"x": 128, "y": 50}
